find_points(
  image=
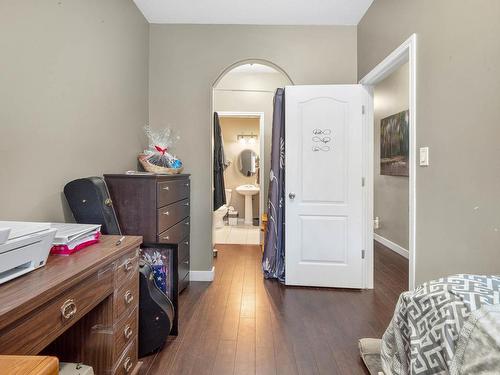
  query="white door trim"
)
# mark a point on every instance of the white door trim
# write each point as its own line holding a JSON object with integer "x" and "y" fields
{"x": 260, "y": 116}
{"x": 406, "y": 52}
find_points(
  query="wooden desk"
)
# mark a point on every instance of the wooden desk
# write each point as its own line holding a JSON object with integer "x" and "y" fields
{"x": 80, "y": 308}
{"x": 28, "y": 365}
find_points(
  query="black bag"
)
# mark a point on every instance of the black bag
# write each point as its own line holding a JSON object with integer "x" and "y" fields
{"x": 156, "y": 313}
{"x": 90, "y": 203}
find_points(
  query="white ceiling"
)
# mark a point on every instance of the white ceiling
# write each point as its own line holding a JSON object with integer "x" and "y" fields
{"x": 255, "y": 12}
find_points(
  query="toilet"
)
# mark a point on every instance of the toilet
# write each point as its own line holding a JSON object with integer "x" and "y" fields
{"x": 222, "y": 211}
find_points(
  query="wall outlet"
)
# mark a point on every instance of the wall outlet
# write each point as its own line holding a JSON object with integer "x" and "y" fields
{"x": 376, "y": 223}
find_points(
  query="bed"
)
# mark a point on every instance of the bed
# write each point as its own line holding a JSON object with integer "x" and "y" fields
{"x": 443, "y": 326}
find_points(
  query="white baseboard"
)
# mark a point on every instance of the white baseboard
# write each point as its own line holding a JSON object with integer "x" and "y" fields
{"x": 202, "y": 275}
{"x": 391, "y": 245}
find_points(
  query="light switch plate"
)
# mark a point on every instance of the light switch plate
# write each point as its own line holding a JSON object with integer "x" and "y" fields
{"x": 424, "y": 156}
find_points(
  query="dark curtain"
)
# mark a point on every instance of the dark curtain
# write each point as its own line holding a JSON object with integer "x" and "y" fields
{"x": 219, "y": 187}
{"x": 273, "y": 260}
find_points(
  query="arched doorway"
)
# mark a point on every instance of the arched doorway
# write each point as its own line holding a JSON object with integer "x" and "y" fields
{"x": 243, "y": 96}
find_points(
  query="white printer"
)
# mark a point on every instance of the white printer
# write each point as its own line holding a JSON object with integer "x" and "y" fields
{"x": 24, "y": 246}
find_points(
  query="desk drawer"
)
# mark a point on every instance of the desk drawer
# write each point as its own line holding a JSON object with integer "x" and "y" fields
{"x": 127, "y": 297}
{"x": 128, "y": 360}
{"x": 125, "y": 332}
{"x": 127, "y": 267}
{"x": 172, "y": 214}
{"x": 172, "y": 191}
{"x": 176, "y": 233}
{"x": 56, "y": 316}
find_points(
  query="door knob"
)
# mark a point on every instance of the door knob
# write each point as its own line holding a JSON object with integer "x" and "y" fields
{"x": 291, "y": 195}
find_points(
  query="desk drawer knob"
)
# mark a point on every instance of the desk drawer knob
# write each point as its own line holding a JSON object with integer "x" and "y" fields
{"x": 186, "y": 243}
{"x": 127, "y": 332}
{"x": 127, "y": 364}
{"x": 186, "y": 204}
{"x": 166, "y": 188}
{"x": 129, "y": 297}
{"x": 166, "y": 237}
{"x": 128, "y": 264}
{"x": 166, "y": 213}
{"x": 186, "y": 223}
{"x": 68, "y": 309}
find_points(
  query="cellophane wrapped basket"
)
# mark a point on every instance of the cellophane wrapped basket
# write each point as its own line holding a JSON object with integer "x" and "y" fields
{"x": 157, "y": 158}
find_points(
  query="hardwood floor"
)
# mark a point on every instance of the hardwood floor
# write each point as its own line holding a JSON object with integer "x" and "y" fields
{"x": 243, "y": 324}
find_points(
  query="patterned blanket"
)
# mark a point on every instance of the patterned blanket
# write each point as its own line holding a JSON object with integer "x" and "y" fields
{"x": 422, "y": 336}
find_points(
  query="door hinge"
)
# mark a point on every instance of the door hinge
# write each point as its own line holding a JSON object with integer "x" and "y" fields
{"x": 363, "y": 109}
{"x": 362, "y": 254}
{"x": 362, "y": 181}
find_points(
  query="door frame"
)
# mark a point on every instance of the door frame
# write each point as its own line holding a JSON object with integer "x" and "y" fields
{"x": 260, "y": 116}
{"x": 405, "y": 53}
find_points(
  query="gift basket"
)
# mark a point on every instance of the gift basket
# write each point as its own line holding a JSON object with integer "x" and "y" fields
{"x": 157, "y": 158}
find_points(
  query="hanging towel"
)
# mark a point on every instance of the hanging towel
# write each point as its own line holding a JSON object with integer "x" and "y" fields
{"x": 219, "y": 186}
{"x": 273, "y": 260}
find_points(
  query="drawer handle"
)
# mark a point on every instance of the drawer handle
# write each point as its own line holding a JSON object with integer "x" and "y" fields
{"x": 186, "y": 223}
{"x": 127, "y": 332}
{"x": 166, "y": 188}
{"x": 128, "y": 264}
{"x": 186, "y": 262}
{"x": 166, "y": 213}
{"x": 129, "y": 297}
{"x": 187, "y": 185}
{"x": 127, "y": 364}
{"x": 166, "y": 237}
{"x": 186, "y": 204}
{"x": 68, "y": 309}
{"x": 186, "y": 243}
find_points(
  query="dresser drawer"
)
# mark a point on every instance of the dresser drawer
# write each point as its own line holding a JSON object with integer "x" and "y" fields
{"x": 172, "y": 191}
{"x": 172, "y": 214}
{"x": 176, "y": 233}
{"x": 183, "y": 250}
{"x": 127, "y": 267}
{"x": 183, "y": 283}
{"x": 56, "y": 316}
{"x": 128, "y": 360}
{"x": 127, "y": 297}
{"x": 125, "y": 332}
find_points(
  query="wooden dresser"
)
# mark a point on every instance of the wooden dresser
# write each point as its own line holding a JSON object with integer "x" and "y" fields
{"x": 80, "y": 308}
{"x": 156, "y": 207}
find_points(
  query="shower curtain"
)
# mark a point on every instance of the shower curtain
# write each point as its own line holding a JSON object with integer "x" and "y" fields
{"x": 273, "y": 260}
{"x": 219, "y": 160}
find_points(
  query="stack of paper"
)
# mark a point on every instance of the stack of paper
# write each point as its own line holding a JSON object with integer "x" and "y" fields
{"x": 73, "y": 237}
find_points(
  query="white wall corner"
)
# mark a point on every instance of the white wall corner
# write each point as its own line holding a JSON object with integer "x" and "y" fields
{"x": 391, "y": 245}
{"x": 202, "y": 275}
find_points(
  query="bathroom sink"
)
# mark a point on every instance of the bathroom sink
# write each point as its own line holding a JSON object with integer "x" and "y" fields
{"x": 247, "y": 189}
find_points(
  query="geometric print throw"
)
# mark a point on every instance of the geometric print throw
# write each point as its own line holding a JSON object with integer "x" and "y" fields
{"x": 424, "y": 330}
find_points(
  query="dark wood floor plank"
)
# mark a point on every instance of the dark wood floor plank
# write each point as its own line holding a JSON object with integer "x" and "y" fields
{"x": 243, "y": 324}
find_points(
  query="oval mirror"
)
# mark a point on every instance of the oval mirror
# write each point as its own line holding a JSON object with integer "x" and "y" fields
{"x": 248, "y": 163}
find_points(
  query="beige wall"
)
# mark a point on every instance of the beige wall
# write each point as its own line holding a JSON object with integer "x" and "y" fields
{"x": 185, "y": 61}
{"x": 258, "y": 97}
{"x": 233, "y": 178}
{"x": 390, "y": 192}
{"x": 73, "y": 98}
{"x": 458, "y": 101}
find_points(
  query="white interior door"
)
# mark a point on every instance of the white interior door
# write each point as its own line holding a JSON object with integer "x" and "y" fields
{"x": 324, "y": 201}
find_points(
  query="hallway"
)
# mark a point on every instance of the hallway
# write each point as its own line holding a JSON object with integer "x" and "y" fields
{"x": 243, "y": 324}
